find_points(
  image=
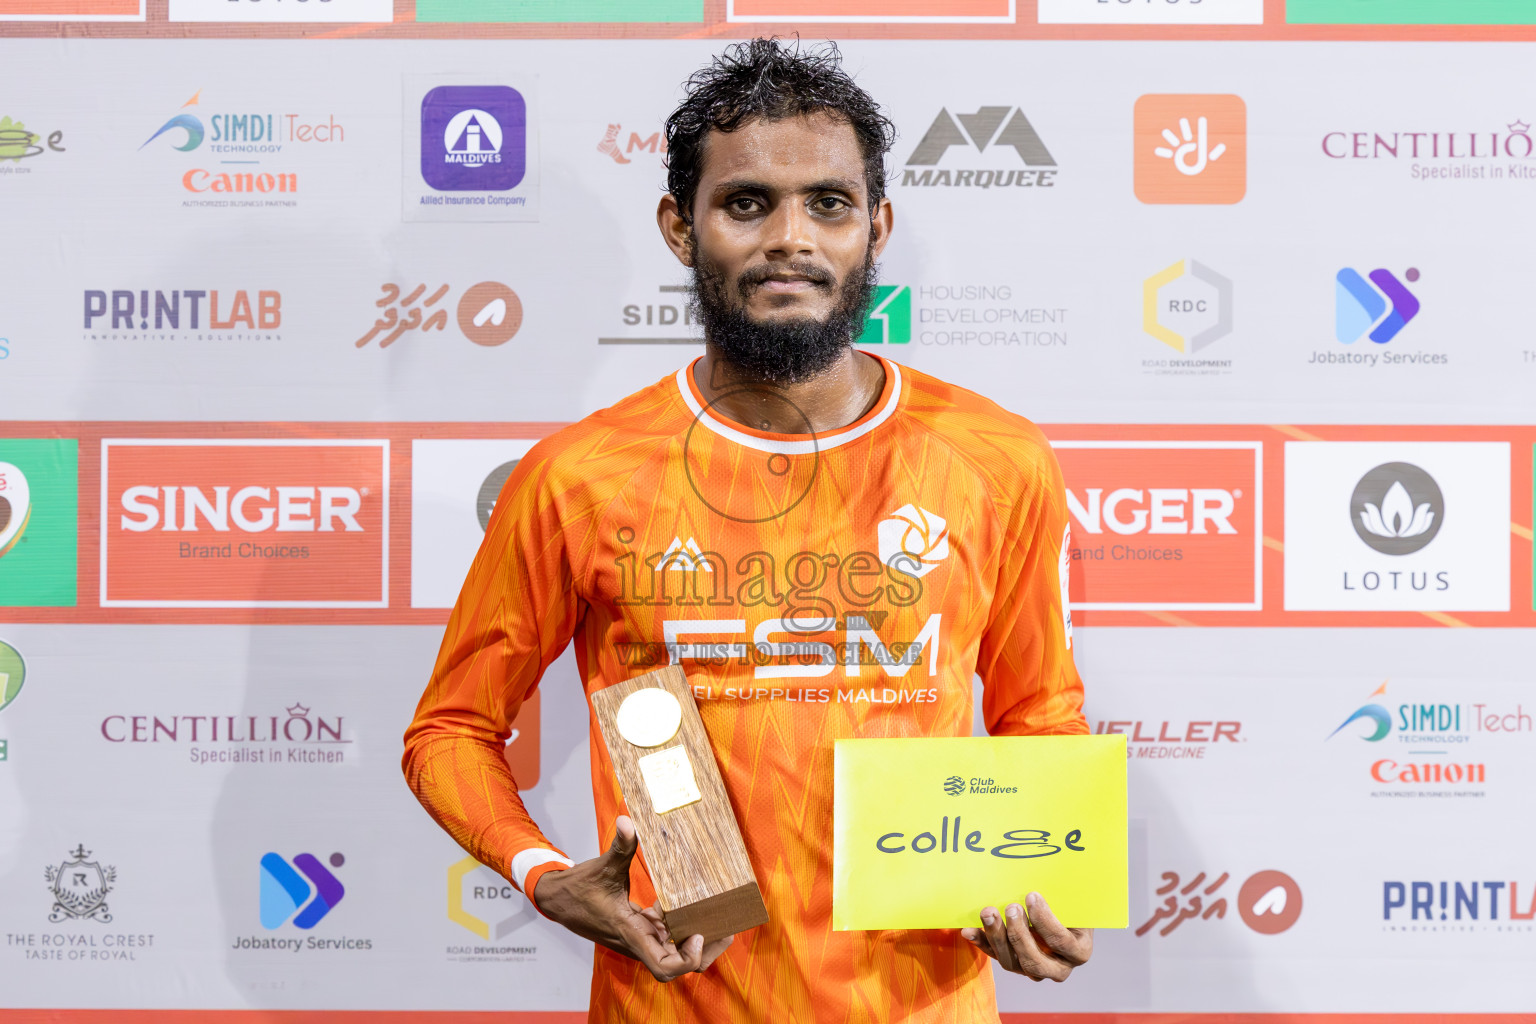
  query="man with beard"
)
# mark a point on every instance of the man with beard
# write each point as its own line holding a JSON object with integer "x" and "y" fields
{"x": 828, "y": 543}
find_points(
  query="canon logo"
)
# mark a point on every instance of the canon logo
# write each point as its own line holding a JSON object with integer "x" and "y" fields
{"x": 1154, "y": 510}
{"x": 251, "y": 509}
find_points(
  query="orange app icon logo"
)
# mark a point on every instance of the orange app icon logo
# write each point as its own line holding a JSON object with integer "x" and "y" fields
{"x": 244, "y": 523}
{"x": 1164, "y": 525}
{"x": 1191, "y": 148}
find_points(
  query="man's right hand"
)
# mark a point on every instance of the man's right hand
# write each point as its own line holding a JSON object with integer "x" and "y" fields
{"x": 592, "y": 900}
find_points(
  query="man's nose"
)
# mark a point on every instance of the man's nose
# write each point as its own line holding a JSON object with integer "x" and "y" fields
{"x": 789, "y": 231}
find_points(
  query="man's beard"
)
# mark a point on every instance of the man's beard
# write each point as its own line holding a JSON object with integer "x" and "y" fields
{"x": 779, "y": 351}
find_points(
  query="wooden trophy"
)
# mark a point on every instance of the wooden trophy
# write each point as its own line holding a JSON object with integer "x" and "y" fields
{"x": 683, "y": 818}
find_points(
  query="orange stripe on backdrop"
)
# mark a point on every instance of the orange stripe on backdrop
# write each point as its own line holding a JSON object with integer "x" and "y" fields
{"x": 1266, "y": 1018}
{"x": 580, "y": 1017}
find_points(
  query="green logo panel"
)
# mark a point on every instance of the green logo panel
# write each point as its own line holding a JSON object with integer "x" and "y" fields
{"x": 1410, "y": 12}
{"x": 889, "y": 321}
{"x": 13, "y": 672}
{"x": 39, "y": 506}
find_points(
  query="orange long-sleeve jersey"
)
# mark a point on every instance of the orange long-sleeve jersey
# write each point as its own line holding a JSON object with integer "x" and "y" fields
{"x": 843, "y": 585}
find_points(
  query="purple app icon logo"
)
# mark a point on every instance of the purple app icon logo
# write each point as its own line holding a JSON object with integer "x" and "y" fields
{"x": 473, "y": 138}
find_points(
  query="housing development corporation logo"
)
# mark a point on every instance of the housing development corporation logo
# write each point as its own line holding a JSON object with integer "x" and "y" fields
{"x": 1397, "y": 508}
{"x": 1377, "y": 309}
{"x": 998, "y": 129}
{"x": 488, "y": 314}
{"x": 39, "y": 513}
{"x": 285, "y": 893}
{"x": 1191, "y": 148}
{"x": 1187, "y": 306}
{"x": 889, "y": 320}
{"x": 473, "y": 138}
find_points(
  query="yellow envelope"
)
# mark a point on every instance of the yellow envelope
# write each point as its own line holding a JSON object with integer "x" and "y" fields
{"x": 928, "y": 831}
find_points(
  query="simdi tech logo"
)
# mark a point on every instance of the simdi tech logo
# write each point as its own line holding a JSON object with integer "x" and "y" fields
{"x": 999, "y": 143}
{"x": 244, "y": 523}
{"x": 1191, "y": 148}
{"x": 1397, "y": 526}
{"x": 1165, "y": 525}
{"x": 39, "y": 494}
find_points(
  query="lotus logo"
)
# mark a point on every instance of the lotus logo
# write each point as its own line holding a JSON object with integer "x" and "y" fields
{"x": 913, "y": 540}
{"x": 954, "y": 785}
{"x": 1397, "y": 508}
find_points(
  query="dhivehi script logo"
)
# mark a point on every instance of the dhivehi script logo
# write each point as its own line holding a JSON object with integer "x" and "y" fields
{"x": 1397, "y": 508}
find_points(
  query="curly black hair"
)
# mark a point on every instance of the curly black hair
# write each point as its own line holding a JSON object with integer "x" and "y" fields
{"x": 763, "y": 78}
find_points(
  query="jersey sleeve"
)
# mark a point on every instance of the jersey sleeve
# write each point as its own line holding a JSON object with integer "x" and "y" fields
{"x": 515, "y": 614}
{"x": 1030, "y": 685}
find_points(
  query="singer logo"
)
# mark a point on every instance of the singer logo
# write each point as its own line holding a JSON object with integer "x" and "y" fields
{"x": 237, "y": 523}
{"x": 1164, "y": 525}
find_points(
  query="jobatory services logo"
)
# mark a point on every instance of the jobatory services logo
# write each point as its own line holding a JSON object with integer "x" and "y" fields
{"x": 486, "y": 905}
{"x": 39, "y": 515}
{"x": 1004, "y": 130}
{"x": 1165, "y": 525}
{"x": 298, "y": 735}
{"x": 244, "y": 523}
{"x": 913, "y": 540}
{"x": 1269, "y": 902}
{"x": 1458, "y": 156}
{"x": 1191, "y": 148}
{"x": 1459, "y": 905}
{"x": 243, "y": 157}
{"x": 19, "y": 145}
{"x": 1187, "y": 306}
{"x": 13, "y": 673}
{"x": 1377, "y": 309}
{"x": 182, "y": 314}
{"x": 488, "y": 314}
{"x": 287, "y": 897}
{"x": 1397, "y": 526}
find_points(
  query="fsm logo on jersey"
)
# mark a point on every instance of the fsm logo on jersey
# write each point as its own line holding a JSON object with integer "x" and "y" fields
{"x": 471, "y": 149}
{"x": 1165, "y": 525}
{"x": 244, "y": 523}
{"x": 1397, "y": 526}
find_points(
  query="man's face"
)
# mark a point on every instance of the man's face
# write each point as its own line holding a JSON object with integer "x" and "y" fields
{"x": 782, "y": 243}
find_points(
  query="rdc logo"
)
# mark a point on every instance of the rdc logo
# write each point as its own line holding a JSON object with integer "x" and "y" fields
{"x": 284, "y": 890}
{"x": 954, "y": 785}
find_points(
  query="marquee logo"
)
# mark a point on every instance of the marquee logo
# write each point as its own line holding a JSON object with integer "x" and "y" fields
{"x": 889, "y": 320}
{"x": 913, "y": 540}
{"x": 1004, "y": 127}
{"x": 473, "y": 138}
{"x": 1191, "y": 149}
{"x": 1187, "y": 306}
{"x": 39, "y": 483}
{"x": 1397, "y": 508}
{"x": 244, "y": 523}
{"x": 1164, "y": 525}
{"x": 1378, "y": 309}
{"x": 286, "y": 894}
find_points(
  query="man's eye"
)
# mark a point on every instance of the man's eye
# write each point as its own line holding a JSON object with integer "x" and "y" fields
{"x": 829, "y": 204}
{"x": 743, "y": 204}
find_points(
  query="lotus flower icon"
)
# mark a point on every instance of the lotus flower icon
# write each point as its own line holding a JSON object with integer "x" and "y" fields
{"x": 1397, "y": 508}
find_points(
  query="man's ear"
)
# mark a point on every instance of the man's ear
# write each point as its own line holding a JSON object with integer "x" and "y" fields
{"x": 881, "y": 223}
{"x": 676, "y": 230}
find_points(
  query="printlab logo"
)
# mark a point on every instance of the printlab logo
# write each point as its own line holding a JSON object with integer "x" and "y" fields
{"x": 1187, "y": 306}
{"x": 1191, "y": 149}
{"x": 954, "y": 785}
{"x": 38, "y": 522}
{"x": 913, "y": 540}
{"x": 482, "y": 902}
{"x": 18, "y": 144}
{"x": 655, "y": 143}
{"x": 1397, "y": 508}
{"x": 889, "y": 320}
{"x": 198, "y": 309}
{"x": 80, "y": 888}
{"x": 473, "y": 138}
{"x": 285, "y": 893}
{"x": 488, "y": 314}
{"x": 1269, "y": 902}
{"x": 1461, "y": 901}
{"x": 1377, "y": 309}
{"x": 995, "y": 127}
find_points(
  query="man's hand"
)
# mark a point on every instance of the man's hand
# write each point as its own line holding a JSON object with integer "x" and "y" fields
{"x": 1036, "y": 945}
{"x": 592, "y": 900}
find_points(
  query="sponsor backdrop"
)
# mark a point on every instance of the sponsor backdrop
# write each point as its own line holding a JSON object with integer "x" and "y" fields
{"x": 279, "y": 315}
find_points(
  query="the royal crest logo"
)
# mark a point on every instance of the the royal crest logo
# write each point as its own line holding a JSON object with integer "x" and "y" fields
{"x": 80, "y": 888}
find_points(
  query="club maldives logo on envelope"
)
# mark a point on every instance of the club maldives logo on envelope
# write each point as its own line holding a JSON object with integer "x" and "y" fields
{"x": 928, "y": 831}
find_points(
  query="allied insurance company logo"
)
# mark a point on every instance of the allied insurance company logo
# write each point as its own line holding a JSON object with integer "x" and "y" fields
{"x": 995, "y": 128}
{"x": 1187, "y": 306}
{"x": 38, "y": 521}
{"x": 235, "y": 144}
{"x": 1376, "y": 308}
{"x": 1191, "y": 148}
{"x": 285, "y": 893}
{"x": 488, "y": 314}
{"x": 1164, "y": 525}
{"x": 244, "y": 523}
{"x": 473, "y": 138}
